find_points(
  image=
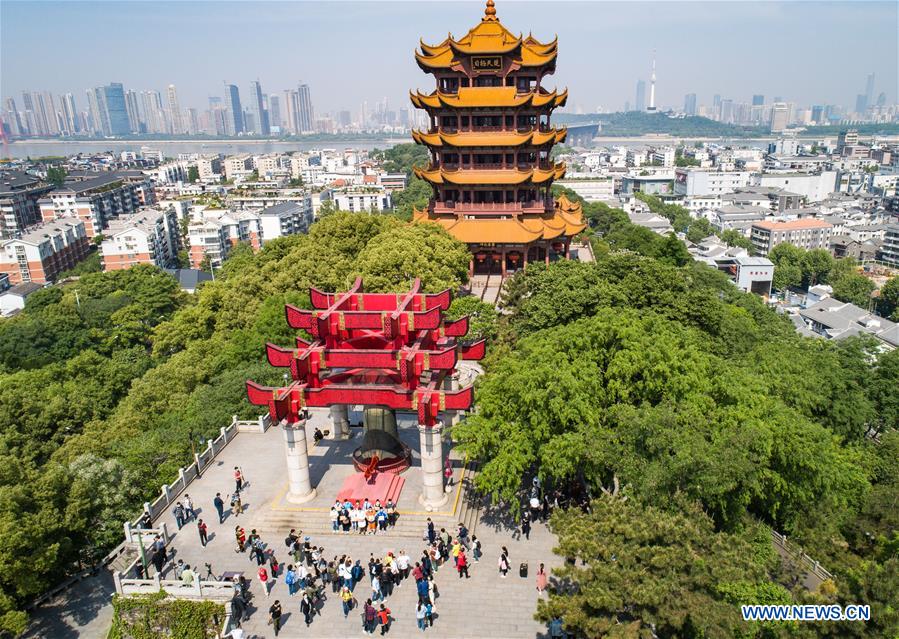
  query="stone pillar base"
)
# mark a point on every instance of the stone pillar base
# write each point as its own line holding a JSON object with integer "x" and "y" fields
{"x": 296, "y": 448}
{"x": 433, "y": 495}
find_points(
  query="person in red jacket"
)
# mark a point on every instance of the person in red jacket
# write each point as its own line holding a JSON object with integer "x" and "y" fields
{"x": 462, "y": 564}
{"x": 384, "y": 619}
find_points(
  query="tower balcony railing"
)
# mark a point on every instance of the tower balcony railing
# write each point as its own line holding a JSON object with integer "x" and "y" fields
{"x": 493, "y": 166}
{"x": 542, "y": 128}
{"x": 537, "y": 206}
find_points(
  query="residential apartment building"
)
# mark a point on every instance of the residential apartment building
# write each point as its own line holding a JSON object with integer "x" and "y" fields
{"x": 287, "y": 218}
{"x": 693, "y": 182}
{"x": 238, "y": 166}
{"x": 97, "y": 200}
{"x": 147, "y": 237}
{"x": 19, "y": 196}
{"x": 361, "y": 199}
{"x": 889, "y": 249}
{"x": 807, "y": 233}
{"x": 207, "y": 238}
{"x": 210, "y": 168}
{"x": 814, "y": 187}
{"x": 42, "y": 253}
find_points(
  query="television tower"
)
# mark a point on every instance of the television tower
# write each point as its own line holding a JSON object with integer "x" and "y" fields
{"x": 652, "y": 84}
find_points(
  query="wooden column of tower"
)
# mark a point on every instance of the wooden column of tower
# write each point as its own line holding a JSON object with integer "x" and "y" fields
{"x": 490, "y": 142}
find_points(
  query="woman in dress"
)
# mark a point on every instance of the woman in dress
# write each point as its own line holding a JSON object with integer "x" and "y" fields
{"x": 541, "y": 579}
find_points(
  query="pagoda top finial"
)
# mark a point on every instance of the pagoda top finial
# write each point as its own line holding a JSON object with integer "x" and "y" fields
{"x": 490, "y": 11}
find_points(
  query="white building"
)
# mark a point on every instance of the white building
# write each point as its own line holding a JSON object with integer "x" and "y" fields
{"x": 663, "y": 157}
{"x": 815, "y": 187}
{"x": 592, "y": 190}
{"x": 287, "y": 218}
{"x": 238, "y": 166}
{"x": 693, "y": 182}
{"x": 210, "y": 168}
{"x": 361, "y": 199}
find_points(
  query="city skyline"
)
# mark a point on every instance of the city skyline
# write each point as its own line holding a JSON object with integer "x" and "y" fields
{"x": 342, "y": 77}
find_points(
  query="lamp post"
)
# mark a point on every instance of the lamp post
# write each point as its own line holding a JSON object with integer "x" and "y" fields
{"x": 143, "y": 555}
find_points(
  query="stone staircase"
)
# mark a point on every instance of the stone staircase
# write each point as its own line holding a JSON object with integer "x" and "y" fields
{"x": 275, "y": 524}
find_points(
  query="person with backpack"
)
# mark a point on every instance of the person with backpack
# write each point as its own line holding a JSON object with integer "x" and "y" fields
{"x": 384, "y": 619}
{"x": 273, "y": 565}
{"x": 429, "y": 614}
{"x": 423, "y": 591}
{"x": 476, "y": 548}
{"x": 369, "y": 614}
{"x": 178, "y": 512}
{"x": 357, "y": 573}
{"x": 290, "y": 578}
{"x": 236, "y": 505}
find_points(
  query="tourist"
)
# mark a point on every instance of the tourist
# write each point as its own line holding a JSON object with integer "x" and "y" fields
{"x": 238, "y": 609}
{"x": 370, "y": 520}
{"x": 263, "y": 579}
{"x": 188, "y": 576}
{"x": 420, "y": 616}
{"x": 368, "y": 617}
{"x": 178, "y": 568}
{"x": 335, "y": 515}
{"x": 317, "y": 436}
{"x": 236, "y": 505}
{"x": 158, "y": 560}
{"x": 358, "y": 516}
{"x": 357, "y": 573}
{"x": 429, "y": 614}
{"x": 427, "y": 566}
{"x": 178, "y": 512}
{"x": 238, "y": 479}
{"x": 391, "y": 513}
{"x": 274, "y": 616}
{"x": 541, "y": 579}
{"x": 456, "y": 550}
{"x": 423, "y": 591}
{"x": 344, "y": 574}
{"x": 384, "y": 619}
{"x": 375, "y": 588}
{"x": 381, "y": 518}
{"x": 504, "y": 562}
{"x": 235, "y": 633}
{"x": 189, "y": 512}
{"x": 432, "y": 535}
{"x": 462, "y": 565}
{"x": 290, "y": 578}
{"x": 544, "y": 514}
{"x": 290, "y": 539}
{"x": 274, "y": 566}
{"x": 432, "y": 591}
{"x": 346, "y": 598}
{"x": 417, "y": 573}
{"x": 463, "y": 535}
{"x": 307, "y": 608}
{"x": 476, "y": 548}
{"x": 241, "y": 536}
{"x": 403, "y": 562}
{"x": 526, "y": 525}
{"x": 219, "y": 504}
{"x": 448, "y": 472}
{"x": 201, "y": 527}
{"x": 555, "y": 628}
{"x": 302, "y": 576}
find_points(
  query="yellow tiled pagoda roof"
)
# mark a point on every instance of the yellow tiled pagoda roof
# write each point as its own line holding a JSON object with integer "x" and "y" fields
{"x": 498, "y": 176}
{"x": 566, "y": 220}
{"x": 488, "y": 37}
{"x": 508, "y": 138}
{"x": 481, "y": 97}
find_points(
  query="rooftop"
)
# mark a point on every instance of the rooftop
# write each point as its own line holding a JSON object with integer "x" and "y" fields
{"x": 43, "y": 231}
{"x": 282, "y": 208}
{"x": 90, "y": 184}
{"x": 841, "y": 319}
{"x": 24, "y": 289}
{"x": 16, "y": 181}
{"x": 792, "y": 225}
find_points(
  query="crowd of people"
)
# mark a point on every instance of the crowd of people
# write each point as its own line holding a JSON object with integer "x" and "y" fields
{"x": 311, "y": 575}
{"x": 363, "y": 517}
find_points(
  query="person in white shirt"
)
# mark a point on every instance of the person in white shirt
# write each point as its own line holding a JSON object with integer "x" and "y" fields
{"x": 404, "y": 562}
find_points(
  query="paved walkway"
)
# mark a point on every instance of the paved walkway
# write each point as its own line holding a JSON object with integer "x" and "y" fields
{"x": 483, "y": 606}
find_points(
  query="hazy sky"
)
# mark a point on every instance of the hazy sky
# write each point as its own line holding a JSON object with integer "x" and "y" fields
{"x": 807, "y": 52}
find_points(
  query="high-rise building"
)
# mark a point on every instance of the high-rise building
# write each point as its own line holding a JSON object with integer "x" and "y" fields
{"x": 174, "y": 111}
{"x": 47, "y": 108}
{"x": 95, "y": 126}
{"x": 758, "y": 100}
{"x": 256, "y": 109}
{"x": 274, "y": 111}
{"x": 690, "y": 104}
{"x": 70, "y": 114}
{"x": 869, "y": 91}
{"x": 780, "y": 117}
{"x": 116, "y": 111}
{"x": 306, "y": 115}
{"x": 131, "y": 102}
{"x": 861, "y": 103}
{"x": 13, "y": 118}
{"x": 818, "y": 114}
{"x": 640, "y": 103}
{"x": 232, "y": 103}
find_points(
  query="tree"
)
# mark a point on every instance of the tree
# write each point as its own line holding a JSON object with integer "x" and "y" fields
{"x": 635, "y": 571}
{"x": 816, "y": 264}
{"x": 732, "y": 237}
{"x": 788, "y": 263}
{"x": 855, "y": 289}
{"x": 415, "y": 195}
{"x": 888, "y": 302}
{"x": 482, "y": 317}
{"x": 193, "y": 174}
{"x": 391, "y": 260}
{"x": 56, "y": 175}
{"x": 699, "y": 229}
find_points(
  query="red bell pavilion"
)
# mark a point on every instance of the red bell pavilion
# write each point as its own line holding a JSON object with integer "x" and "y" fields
{"x": 385, "y": 351}
{"x": 490, "y": 143}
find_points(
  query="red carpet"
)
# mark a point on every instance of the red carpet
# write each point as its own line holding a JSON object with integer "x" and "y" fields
{"x": 383, "y": 486}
